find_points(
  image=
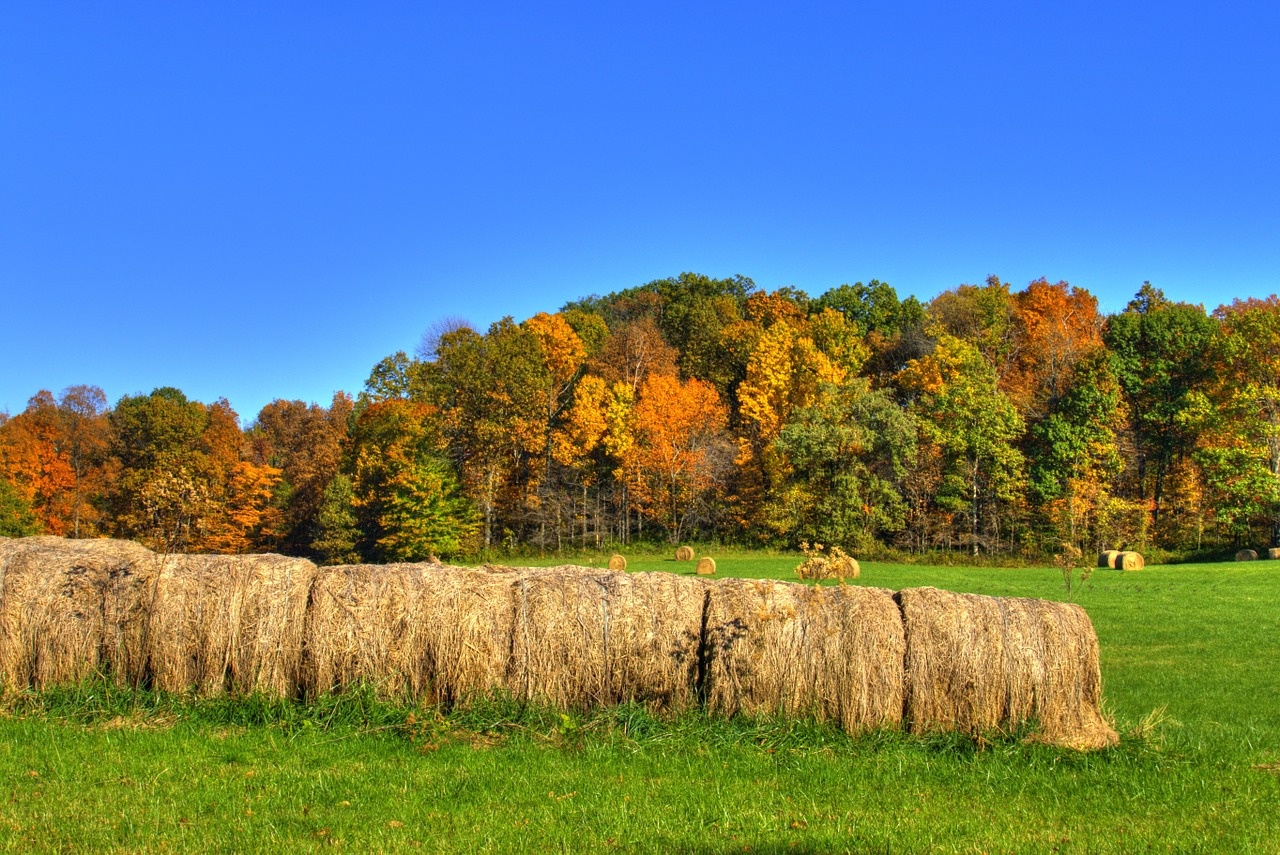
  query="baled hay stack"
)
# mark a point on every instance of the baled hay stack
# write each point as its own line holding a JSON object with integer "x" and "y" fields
{"x": 654, "y": 639}
{"x": 980, "y": 664}
{"x": 1246, "y": 555}
{"x": 230, "y": 623}
{"x": 69, "y": 607}
{"x": 706, "y": 566}
{"x": 1129, "y": 561}
{"x": 832, "y": 652}
{"x": 559, "y": 651}
{"x": 1108, "y": 559}
{"x": 1273, "y": 554}
{"x": 617, "y": 562}
{"x": 409, "y": 630}
{"x": 684, "y": 553}
{"x": 585, "y": 640}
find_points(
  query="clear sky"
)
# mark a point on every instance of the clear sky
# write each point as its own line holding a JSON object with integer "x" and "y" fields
{"x": 260, "y": 200}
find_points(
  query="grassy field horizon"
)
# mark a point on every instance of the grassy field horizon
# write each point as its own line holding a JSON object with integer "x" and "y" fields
{"x": 1191, "y": 677}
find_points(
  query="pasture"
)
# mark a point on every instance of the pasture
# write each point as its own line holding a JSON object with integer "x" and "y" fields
{"x": 1191, "y": 676}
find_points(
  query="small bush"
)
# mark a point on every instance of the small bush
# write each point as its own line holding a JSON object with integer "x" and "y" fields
{"x": 833, "y": 564}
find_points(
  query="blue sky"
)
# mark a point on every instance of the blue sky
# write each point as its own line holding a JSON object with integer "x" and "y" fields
{"x": 262, "y": 200}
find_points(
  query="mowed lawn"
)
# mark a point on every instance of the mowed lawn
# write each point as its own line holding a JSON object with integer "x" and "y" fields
{"x": 1191, "y": 671}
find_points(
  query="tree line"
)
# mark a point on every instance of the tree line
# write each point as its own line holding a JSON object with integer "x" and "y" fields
{"x": 986, "y": 421}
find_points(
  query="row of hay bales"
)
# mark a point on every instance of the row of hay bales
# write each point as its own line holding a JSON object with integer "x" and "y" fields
{"x": 1272, "y": 554}
{"x": 576, "y": 637}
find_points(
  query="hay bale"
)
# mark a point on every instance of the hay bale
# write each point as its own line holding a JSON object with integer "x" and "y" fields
{"x": 834, "y": 653}
{"x": 684, "y": 553}
{"x": 412, "y": 631}
{"x": 584, "y": 640}
{"x": 706, "y": 566}
{"x": 617, "y": 562}
{"x": 1273, "y": 554}
{"x": 1129, "y": 561}
{"x": 230, "y": 623}
{"x": 69, "y": 608}
{"x": 1108, "y": 558}
{"x": 988, "y": 664}
{"x": 1246, "y": 555}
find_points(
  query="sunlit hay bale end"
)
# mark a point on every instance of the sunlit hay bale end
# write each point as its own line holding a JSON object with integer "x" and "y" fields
{"x": 779, "y": 648}
{"x": 986, "y": 664}
{"x": 1108, "y": 558}
{"x": 706, "y": 566}
{"x": 1273, "y": 553}
{"x": 617, "y": 562}
{"x": 1246, "y": 555}
{"x": 230, "y": 623}
{"x": 684, "y": 553}
{"x": 71, "y": 607}
{"x": 1130, "y": 561}
{"x": 409, "y": 630}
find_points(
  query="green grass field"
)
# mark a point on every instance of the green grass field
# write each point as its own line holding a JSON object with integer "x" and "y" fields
{"x": 1191, "y": 670}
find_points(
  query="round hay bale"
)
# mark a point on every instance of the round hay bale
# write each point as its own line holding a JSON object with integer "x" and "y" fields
{"x": 1108, "y": 558}
{"x": 706, "y": 566}
{"x": 1273, "y": 554}
{"x": 1246, "y": 555}
{"x": 981, "y": 664}
{"x": 587, "y": 640}
{"x": 1129, "y": 561}
{"x": 617, "y": 562}
{"x": 412, "y": 631}
{"x": 233, "y": 623}
{"x": 835, "y": 653}
{"x": 70, "y": 607}
{"x": 684, "y": 553}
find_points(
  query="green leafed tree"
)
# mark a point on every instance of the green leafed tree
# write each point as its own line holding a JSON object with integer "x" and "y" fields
{"x": 846, "y": 452}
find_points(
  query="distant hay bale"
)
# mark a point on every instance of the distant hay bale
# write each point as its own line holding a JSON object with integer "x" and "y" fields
{"x": 1246, "y": 555}
{"x": 230, "y": 623}
{"x": 1273, "y": 554}
{"x": 835, "y": 653}
{"x": 617, "y": 562}
{"x": 706, "y": 566}
{"x": 1108, "y": 558}
{"x": 71, "y": 607}
{"x": 1129, "y": 561}
{"x": 983, "y": 664}
{"x": 412, "y": 631}
{"x": 684, "y": 553}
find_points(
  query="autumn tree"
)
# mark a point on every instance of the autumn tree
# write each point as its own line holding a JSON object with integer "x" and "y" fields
{"x": 976, "y": 428}
{"x": 680, "y": 452}
{"x": 305, "y": 442}
{"x": 848, "y": 451}
{"x": 408, "y": 502}
{"x": 1159, "y": 349}
{"x": 55, "y": 452}
{"x": 1236, "y": 414}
